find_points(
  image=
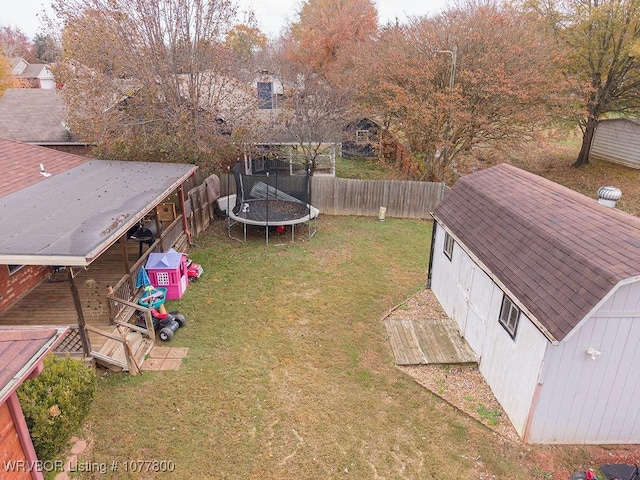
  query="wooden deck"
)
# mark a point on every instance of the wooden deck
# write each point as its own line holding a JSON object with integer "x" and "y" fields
{"x": 51, "y": 302}
{"x": 427, "y": 341}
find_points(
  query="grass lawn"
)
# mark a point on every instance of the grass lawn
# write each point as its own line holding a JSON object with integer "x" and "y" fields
{"x": 289, "y": 373}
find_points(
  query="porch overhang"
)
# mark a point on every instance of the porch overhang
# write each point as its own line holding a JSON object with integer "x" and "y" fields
{"x": 71, "y": 218}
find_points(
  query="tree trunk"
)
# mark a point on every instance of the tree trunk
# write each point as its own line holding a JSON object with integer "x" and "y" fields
{"x": 587, "y": 136}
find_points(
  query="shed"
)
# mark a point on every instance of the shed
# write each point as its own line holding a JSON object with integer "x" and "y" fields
{"x": 168, "y": 270}
{"x": 617, "y": 141}
{"x": 21, "y": 354}
{"x": 544, "y": 284}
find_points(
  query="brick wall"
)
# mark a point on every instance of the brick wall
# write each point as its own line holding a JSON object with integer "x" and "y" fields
{"x": 12, "y": 287}
{"x": 10, "y": 448}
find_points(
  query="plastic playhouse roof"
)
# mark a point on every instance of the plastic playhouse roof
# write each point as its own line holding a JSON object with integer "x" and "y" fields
{"x": 164, "y": 261}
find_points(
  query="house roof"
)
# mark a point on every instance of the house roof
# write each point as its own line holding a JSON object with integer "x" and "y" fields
{"x": 86, "y": 205}
{"x": 34, "y": 115}
{"x": 556, "y": 251}
{"x": 20, "y": 164}
{"x": 36, "y": 70}
{"x": 21, "y": 349}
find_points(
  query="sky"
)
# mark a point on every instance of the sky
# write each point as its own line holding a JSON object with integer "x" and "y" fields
{"x": 272, "y": 15}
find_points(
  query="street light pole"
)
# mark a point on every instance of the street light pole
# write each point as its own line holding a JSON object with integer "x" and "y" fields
{"x": 452, "y": 78}
{"x": 454, "y": 58}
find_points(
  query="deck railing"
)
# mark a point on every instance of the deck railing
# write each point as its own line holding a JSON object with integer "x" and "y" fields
{"x": 124, "y": 293}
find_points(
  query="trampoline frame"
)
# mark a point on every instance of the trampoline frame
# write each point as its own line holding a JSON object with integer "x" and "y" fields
{"x": 229, "y": 202}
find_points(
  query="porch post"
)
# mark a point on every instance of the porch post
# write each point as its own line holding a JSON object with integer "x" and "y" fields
{"x": 125, "y": 255}
{"x": 86, "y": 344}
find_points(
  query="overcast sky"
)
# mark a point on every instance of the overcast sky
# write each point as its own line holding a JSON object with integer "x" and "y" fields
{"x": 272, "y": 15}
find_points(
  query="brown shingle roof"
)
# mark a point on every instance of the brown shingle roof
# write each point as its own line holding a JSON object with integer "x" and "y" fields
{"x": 557, "y": 251}
{"x": 19, "y": 350}
{"x": 34, "y": 115}
{"x": 20, "y": 164}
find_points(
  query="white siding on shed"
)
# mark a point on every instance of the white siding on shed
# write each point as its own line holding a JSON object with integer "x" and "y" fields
{"x": 584, "y": 400}
{"x": 469, "y": 296}
{"x": 617, "y": 141}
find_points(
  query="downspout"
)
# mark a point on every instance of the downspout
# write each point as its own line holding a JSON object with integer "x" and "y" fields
{"x": 183, "y": 209}
{"x": 433, "y": 238}
{"x": 24, "y": 436}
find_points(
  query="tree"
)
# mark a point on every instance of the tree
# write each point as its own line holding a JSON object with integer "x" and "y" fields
{"x": 504, "y": 87}
{"x": 152, "y": 79}
{"x": 6, "y": 79}
{"x": 312, "y": 111}
{"x": 46, "y": 48}
{"x": 328, "y": 28}
{"x": 245, "y": 40}
{"x": 14, "y": 43}
{"x": 604, "y": 39}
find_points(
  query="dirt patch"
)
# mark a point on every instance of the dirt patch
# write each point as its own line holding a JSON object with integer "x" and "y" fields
{"x": 463, "y": 387}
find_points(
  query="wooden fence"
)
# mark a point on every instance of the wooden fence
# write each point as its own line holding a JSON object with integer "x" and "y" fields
{"x": 344, "y": 196}
{"x": 402, "y": 199}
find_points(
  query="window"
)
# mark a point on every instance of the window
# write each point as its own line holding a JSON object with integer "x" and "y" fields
{"x": 509, "y": 316}
{"x": 265, "y": 95}
{"x": 163, "y": 278}
{"x": 448, "y": 245}
{"x": 362, "y": 136}
{"x": 14, "y": 268}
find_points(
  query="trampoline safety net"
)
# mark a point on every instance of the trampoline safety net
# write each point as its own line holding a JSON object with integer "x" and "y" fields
{"x": 271, "y": 191}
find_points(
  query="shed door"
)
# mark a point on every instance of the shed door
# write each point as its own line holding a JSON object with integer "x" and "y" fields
{"x": 463, "y": 288}
{"x": 478, "y": 311}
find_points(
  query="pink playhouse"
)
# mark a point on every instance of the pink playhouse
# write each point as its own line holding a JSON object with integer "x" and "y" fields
{"x": 168, "y": 270}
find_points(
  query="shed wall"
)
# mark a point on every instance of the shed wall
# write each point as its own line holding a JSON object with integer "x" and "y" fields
{"x": 617, "y": 141}
{"x": 587, "y": 401}
{"x": 468, "y": 294}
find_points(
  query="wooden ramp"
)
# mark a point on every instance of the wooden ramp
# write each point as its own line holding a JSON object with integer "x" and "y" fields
{"x": 125, "y": 349}
{"x": 427, "y": 341}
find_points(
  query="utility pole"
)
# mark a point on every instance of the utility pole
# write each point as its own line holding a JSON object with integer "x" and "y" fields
{"x": 452, "y": 78}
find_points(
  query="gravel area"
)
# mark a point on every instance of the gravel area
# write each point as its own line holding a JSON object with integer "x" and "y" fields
{"x": 463, "y": 387}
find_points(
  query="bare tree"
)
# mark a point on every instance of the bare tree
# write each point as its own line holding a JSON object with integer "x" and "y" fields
{"x": 152, "y": 79}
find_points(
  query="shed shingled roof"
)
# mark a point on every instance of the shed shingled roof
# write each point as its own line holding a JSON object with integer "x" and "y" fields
{"x": 557, "y": 251}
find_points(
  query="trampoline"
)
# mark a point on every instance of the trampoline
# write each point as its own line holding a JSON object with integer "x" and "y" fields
{"x": 273, "y": 194}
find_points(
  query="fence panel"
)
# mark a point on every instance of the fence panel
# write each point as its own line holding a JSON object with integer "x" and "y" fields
{"x": 347, "y": 196}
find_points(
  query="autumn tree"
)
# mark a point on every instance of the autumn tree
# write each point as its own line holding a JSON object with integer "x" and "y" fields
{"x": 504, "y": 85}
{"x": 328, "y": 28}
{"x": 604, "y": 39}
{"x": 6, "y": 79}
{"x": 312, "y": 112}
{"x": 245, "y": 40}
{"x": 152, "y": 79}
{"x": 14, "y": 43}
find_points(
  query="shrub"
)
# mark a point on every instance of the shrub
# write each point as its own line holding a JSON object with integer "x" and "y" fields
{"x": 56, "y": 402}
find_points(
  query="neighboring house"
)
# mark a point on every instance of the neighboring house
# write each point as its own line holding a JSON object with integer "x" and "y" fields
{"x": 35, "y": 75}
{"x": 544, "y": 284}
{"x": 361, "y": 139}
{"x": 269, "y": 89}
{"x": 618, "y": 141}
{"x": 21, "y": 353}
{"x": 37, "y": 116}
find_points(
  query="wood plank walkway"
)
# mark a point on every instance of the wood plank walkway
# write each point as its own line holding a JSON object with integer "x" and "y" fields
{"x": 427, "y": 341}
